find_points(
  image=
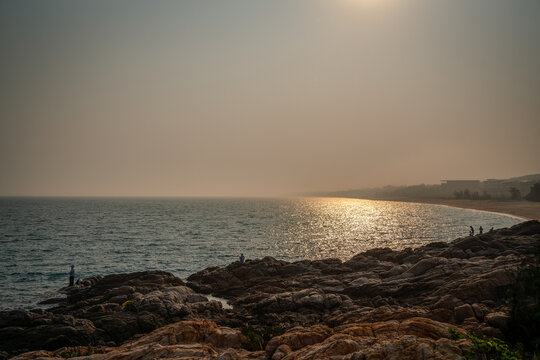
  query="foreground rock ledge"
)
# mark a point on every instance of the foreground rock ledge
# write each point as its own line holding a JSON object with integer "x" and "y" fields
{"x": 381, "y": 304}
{"x": 415, "y": 338}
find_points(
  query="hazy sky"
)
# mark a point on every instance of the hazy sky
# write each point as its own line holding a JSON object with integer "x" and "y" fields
{"x": 253, "y": 97}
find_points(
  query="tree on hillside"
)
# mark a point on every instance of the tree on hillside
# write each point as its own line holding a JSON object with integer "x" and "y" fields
{"x": 534, "y": 195}
{"x": 515, "y": 194}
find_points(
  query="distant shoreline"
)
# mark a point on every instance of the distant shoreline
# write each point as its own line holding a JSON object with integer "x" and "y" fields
{"x": 524, "y": 209}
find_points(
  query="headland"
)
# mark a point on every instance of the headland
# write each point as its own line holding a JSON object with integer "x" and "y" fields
{"x": 380, "y": 304}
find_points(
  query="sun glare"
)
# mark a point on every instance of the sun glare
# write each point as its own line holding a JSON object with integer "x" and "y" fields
{"x": 367, "y": 3}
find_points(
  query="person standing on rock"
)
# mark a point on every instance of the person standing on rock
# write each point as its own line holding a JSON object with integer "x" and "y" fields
{"x": 480, "y": 229}
{"x": 72, "y": 275}
{"x": 471, "y": 231}
{"x": 242, "y": 258}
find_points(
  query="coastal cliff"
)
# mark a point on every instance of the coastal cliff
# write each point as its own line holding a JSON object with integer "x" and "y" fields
{"x": 381, "y": 304}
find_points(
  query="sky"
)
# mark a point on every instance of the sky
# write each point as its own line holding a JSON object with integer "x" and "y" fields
{"x": 264, "y": 98}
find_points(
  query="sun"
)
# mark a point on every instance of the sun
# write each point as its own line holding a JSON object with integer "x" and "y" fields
{"x": 367, "y": 3}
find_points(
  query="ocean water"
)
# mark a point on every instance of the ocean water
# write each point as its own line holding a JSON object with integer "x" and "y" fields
{"x": 41, "y": 237}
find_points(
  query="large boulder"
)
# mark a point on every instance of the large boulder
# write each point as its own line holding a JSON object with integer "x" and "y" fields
{"x": 414, "y": 338}
{"x": 106, "y": 310}
{"x": 26, "y": 330}
{"x": 182, "y": 340}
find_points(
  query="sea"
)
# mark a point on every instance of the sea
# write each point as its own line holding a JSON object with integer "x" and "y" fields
{"x": 41, "y": 237}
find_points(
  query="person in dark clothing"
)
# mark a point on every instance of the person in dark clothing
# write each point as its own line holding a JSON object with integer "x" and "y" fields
{"x": 480, "y": 229}
{"x": 72, "y": 275}
{"x": 471, "y": 231}
{"x": 242, "y": 258}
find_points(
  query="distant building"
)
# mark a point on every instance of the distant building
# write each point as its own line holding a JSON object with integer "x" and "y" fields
{"x": 490, "y": 188}
{"x": 496, "y": 188}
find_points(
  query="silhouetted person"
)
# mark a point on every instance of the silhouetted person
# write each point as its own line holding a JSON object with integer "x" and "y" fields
{"x": 480, "y": 229}
{"x": 72, "y": 275}
{"x": 491, "y": 230}
{"x": 471, "y": 231}
{"x": 242, "y": 258}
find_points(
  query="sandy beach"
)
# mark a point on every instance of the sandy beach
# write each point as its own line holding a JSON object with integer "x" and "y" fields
{"x": 525, "y": 209}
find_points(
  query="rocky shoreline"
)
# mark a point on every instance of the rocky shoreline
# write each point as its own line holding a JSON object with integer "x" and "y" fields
{"x": 380, "y": 304}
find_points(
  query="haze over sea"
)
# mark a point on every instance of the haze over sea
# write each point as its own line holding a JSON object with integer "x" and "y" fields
{"x": 41, "y": 237}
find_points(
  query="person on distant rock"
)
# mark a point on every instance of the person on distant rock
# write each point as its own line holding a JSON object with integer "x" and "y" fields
{"x": 242, "y": 258}
{"x": 491, "y": 230}
{"x": 480, "y": 229}
{"x": 471, "y": 231}
{"x": 72, "y": 275}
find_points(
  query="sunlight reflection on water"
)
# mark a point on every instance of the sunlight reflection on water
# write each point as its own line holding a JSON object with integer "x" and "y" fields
{"x": 41, "y": 237}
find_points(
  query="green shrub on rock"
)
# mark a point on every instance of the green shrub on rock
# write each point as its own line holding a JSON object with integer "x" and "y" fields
{"x": 489, "y": 349}
{"x": 259, "y": 337}
{"x": 456, "y": 335}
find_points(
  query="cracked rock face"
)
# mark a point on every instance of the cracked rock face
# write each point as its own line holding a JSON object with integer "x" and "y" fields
{"x": 380, "y": 304}
{"x": 415, "y": 338}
